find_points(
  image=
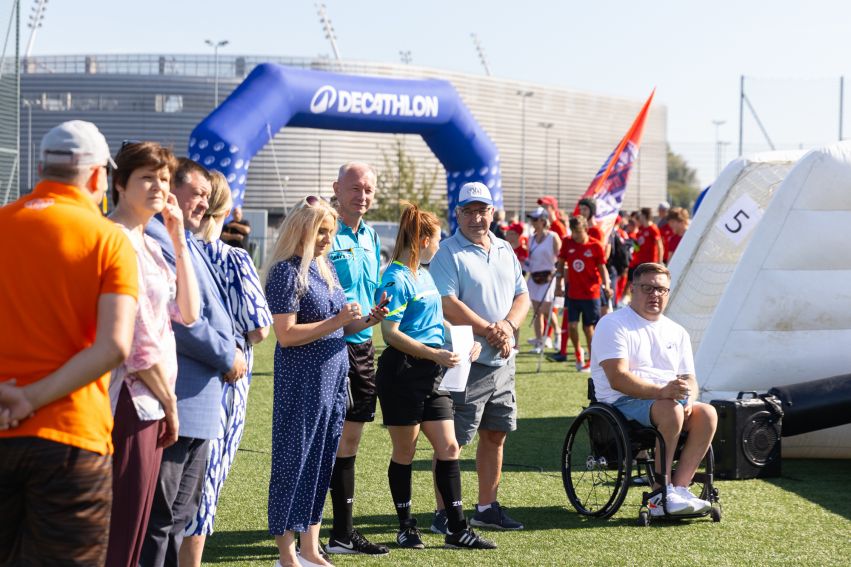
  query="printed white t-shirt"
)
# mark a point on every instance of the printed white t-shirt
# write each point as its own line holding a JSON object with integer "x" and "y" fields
{"x": 657, "y": 351}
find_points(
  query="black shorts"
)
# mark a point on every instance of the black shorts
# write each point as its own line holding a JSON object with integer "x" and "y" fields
{"x": 362, "y": 394}
{"x": 408, "y": 389}
{"x": 588, "y": 308}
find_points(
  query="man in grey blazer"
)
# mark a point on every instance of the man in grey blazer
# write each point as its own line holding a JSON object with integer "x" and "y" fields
{"x": 208, "y": 352}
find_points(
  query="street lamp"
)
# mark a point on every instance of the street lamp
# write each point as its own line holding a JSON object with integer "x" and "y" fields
{"x": 546, "y": 126}
{"x": 216, "y": 45}
{"x": 523, "y": 96}
{"x": 718, "y": 124}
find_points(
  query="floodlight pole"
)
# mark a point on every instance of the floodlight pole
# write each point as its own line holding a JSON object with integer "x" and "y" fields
{"x": 28, "y": 104}
{"x": 741, "y": 111}
{"x": 718, "y": 124}
{"x": 523, "y": 96}
{"x": 216, "y": 45}
{"x": 546, "y": 126}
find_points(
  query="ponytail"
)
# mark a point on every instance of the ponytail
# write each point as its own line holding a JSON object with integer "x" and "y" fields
{"x": 414, "y": 225}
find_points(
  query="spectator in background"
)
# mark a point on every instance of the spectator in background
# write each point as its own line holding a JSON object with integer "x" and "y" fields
{"x": 550, "y": 203}
{"x": 543, "y": 249}
{"x": 519, "y": 242}
{"x": 662, "y": 209}
{"x": 142, "y": 390}
{"x": 649, "y": 240}
{"x": 252, "y": 318}
{"x": 678, "y": 221}
{"x": 209, "y": 352}
{"x": 236, "y": 232}
{"x": 496, "y": 225}
{"x": 588, "y": 210}
{"x": 67, "y": 307}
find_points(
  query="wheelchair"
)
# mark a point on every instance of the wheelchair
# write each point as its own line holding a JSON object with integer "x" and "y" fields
{"x": 604, "y": 454}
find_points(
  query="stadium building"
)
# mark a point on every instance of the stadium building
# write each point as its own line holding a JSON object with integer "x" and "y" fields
{"x": 568, "y": 133}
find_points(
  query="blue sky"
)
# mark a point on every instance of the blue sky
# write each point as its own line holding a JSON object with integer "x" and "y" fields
{"x": 694, "y": 53}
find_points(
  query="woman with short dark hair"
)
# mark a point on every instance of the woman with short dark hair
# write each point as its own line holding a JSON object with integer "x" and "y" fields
{"x": 142, "y": 388}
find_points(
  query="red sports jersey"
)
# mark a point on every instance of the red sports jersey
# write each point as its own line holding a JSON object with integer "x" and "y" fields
{"x": 595, "y": 233}
{"x": 580, "y": 261}
{"x": 558, "y": 227}
{"x": 648, "y": 250}
{"x": 671, "y": 245}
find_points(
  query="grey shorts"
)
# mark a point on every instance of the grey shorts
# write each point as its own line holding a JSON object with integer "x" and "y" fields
{"x": 487, "y": 403}
{"x": 636, "y": 409}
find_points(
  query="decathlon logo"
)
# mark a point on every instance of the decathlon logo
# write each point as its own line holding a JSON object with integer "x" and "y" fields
{"x": 328, "y": 98}
{"x": 324, "y": 99}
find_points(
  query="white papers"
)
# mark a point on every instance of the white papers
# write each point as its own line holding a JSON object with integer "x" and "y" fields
{"x": 455, "y": 379}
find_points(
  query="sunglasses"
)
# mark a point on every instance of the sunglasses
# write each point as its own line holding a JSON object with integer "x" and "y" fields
{"x": 311, "y": 201}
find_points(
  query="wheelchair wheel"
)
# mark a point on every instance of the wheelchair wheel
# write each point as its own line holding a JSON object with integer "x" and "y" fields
{"x": 596, "y": 462}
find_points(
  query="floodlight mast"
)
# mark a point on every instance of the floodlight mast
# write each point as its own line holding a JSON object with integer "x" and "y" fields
{"x": 35, "y": 21}
{"x": 481, "y": 51}
{"x": 328, "y": 29}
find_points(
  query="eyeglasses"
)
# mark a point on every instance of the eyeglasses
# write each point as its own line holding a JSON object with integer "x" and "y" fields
{"x": 475, "y": 212}
{"x": 651, "y": 289}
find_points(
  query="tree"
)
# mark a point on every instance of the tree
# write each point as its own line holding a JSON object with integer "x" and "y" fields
{"x": 399, "y": 180}
{"x": 683, "y": 188}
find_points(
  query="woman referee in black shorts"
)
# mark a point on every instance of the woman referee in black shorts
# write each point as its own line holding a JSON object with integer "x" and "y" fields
{"x": 409, "y": 374}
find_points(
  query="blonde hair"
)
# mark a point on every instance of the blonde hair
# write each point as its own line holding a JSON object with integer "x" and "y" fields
{"x": 414, "y": 225}
{"x": 220, "y": 202}
{"x": 298, "y": 235}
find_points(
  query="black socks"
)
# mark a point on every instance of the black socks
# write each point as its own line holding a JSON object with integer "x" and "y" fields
{"x": 400, "y": 489}
{"x": 343, "y": 496}
{"x": 448, "y": 478}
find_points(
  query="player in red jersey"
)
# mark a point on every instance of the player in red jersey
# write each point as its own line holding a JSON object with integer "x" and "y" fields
{"x": 678, "y": 221}
{"x": 583, "y": 262}
{"x": 556, "y": 225}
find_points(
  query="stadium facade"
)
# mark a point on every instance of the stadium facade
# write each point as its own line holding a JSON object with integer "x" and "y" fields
{"x": 163, "y": 97}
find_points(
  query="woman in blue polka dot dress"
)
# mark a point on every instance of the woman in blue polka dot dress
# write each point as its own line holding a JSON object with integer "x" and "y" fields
{"x": 310, "y": 318}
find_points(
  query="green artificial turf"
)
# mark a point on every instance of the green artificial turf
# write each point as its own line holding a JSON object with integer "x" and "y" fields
{"x": 803, "y": 518}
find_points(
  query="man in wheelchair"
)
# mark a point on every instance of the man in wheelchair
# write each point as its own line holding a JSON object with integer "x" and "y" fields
{"x": 643, "y": 365}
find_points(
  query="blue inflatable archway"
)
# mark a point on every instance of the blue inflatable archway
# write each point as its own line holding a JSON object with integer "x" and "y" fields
{"x": 274, "y": 96}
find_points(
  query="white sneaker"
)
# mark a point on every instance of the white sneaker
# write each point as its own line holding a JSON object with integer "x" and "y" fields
{"x": 548, "y": 343}
{"x": 700, "y": 506}
{"x": 532, "y": 341}
{"x": 676, "y": 504}
{"x": 537, "y": 349}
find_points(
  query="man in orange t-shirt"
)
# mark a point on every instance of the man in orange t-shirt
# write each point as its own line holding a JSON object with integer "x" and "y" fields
{"x": 582, "y": 260}
{"x": 67, "y": 311}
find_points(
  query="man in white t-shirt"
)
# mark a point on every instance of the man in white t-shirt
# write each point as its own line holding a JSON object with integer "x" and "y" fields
{"x": 642, "y": 363}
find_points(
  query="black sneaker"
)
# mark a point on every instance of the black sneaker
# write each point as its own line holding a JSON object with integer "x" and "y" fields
{"x": 409, "y": 535}
{"x": 495, "y": 518}
{"x": 440, "y": 525}
{"x": 467, "y": 539}
{"x": 355, "y": 543}
{"x": 558, "y": 357}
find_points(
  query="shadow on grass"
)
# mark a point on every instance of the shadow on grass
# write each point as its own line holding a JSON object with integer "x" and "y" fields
{"x": 537, "y": 444}
{"x": 240, "y": 546}
{"x": 819, "y": 481}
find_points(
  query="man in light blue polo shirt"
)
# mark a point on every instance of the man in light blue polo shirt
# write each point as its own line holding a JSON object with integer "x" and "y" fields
{"x": 481, "y": 284}
{"x": 356, "y": 256}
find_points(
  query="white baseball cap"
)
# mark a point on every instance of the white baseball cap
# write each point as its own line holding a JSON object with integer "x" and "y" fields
{"x": 75, "y": 143}
{"x": 474, "y": 192}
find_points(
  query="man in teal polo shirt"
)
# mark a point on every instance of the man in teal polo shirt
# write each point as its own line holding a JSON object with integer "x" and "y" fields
{"x": 481, "y": 284}
{"x": 356, "y": 256}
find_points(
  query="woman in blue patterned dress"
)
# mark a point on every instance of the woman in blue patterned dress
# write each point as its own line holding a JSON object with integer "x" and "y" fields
{"x": 252, "y": 318}
{"x": 310, "y": 317}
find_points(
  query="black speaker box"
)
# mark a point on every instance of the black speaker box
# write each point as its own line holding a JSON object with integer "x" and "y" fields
{"x": 747, "y": 442}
